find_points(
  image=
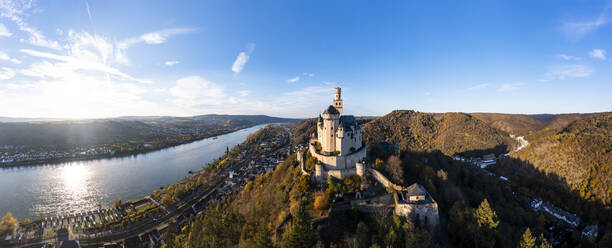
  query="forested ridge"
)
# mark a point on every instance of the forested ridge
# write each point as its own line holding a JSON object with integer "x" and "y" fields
{"x": 118, "y": 130}
{"x": 450, "y": 133}
{"x": 580, "y": 153}
{"x": 279, "y": 209}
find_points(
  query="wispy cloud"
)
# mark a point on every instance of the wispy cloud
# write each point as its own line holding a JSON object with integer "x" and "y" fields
{"x": 308, "y": 74}
{"x": 510, "y": 86}
{"x": 328, "y": 83}
{"x": 478, "y": 86}
{"x": 578, "y": 29}
{"x": 598, "y": 54}
{"x": 69, "y": 64}
{"x": 155, "y": 37}
{"x": 4, "y": 31}
{"x": 568, "y": 57}
{"x": 6, "y": 57}
{"x": 171, "y": 62}
{"x": 244, "y": 93}
{"x": 195, "y": 91}
{"x": 15, "y": 10}
{"x": 242, "y": 59}
{"x": 567, "y": 71}
{"x": 6, "y": 73}
{"x": 293, "y": 80}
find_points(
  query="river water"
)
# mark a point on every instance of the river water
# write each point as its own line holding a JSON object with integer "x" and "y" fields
{"x": 72, "y": 187}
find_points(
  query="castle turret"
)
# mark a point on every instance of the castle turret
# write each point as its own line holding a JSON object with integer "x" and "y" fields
{"x": 331, "y": 119}
{"x": 338, "y": 99}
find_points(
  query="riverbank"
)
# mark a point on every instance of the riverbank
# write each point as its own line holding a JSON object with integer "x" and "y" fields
{"x": 81, "y": 186}
{"x": 119, "y": 154}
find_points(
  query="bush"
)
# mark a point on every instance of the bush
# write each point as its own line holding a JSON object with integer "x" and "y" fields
{"x": 304, "y": 185}
{"x": 321, "y": 203}
{"x": 117, "y": 202}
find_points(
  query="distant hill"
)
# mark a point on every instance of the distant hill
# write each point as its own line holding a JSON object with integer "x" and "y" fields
{"x": 66, "y": 133}
{"x": 514, "y": 123}
{"x": 116, "y": 130}
{"x": 520, "y": 124}
{"x": 579, "y": 152}
{"x": 450, "y": 133}
{"x": 19, "y": 119}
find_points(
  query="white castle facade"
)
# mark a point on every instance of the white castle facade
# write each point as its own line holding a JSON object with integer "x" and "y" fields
{"x": 337, "y": 144}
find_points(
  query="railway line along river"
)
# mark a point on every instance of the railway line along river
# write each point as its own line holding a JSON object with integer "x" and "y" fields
{"x": 78, "y": 186}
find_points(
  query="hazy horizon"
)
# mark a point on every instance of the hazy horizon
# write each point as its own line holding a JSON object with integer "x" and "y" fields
{"x": 19, "y": 119}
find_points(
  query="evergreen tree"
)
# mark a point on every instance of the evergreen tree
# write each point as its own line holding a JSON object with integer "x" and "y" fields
{"x": 487, "y": 223}
{"x": 544, "y": 243}
{"x": 528, "y": 240}
{"x": 299, "y": 234}
{"x": 485, "y": 216}
{"x": 262, "y": 238}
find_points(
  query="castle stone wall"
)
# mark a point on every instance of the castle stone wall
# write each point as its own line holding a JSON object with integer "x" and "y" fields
{"x": 338, "y": 162}
{"x": 383, "y": 180}
{"x": 427, "y": 214}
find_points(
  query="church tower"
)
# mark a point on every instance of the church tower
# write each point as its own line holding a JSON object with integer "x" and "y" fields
{"x": 338, "y": 100}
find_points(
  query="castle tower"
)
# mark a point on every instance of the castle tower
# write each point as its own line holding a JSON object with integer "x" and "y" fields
{"x": 338, "y": 99}
{"x": 331, "y": 119}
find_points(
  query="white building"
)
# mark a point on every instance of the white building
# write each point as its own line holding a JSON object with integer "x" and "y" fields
{"x": 338, "y": 144}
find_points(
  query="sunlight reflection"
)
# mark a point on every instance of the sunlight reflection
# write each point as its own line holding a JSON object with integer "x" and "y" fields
{"x": 75, "y": 178}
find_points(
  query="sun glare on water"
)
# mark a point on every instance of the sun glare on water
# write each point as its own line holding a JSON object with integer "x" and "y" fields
{"x": 75, "y": 178}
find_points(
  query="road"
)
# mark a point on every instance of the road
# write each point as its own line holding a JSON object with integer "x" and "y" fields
{"x": 522, "y": 142}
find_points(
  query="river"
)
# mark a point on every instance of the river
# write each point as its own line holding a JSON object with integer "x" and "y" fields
{"x": 72, "y": 187}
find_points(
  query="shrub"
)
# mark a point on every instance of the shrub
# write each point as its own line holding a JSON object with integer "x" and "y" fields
{"x": 321, "y": 203}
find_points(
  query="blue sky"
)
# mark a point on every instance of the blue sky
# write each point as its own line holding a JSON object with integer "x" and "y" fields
{"x": 93, "y": 59}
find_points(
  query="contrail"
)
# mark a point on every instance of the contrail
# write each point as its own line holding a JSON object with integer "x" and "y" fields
{"x": 95, "y": 32}
{"x": 89, "y": 14}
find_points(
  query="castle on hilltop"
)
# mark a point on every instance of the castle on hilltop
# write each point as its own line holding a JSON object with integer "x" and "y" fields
{"x": 340, "y": 152}
{"x": 337, "y": 144}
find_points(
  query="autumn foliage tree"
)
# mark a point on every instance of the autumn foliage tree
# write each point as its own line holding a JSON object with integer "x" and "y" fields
{"x": 304, "y": 184}
{"x": 117, "y": 202}
{"x": 8, "y": 224}
{"x": 527, "y": 240}
{"x": 394, "y": 169}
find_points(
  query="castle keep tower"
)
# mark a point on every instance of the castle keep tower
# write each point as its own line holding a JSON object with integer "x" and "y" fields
{"x": 338, "y": 99}
{"x": 338, "y": 145}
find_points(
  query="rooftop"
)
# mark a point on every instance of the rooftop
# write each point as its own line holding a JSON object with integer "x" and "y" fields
{"x": 348, "y": 121}
{"x": 331, "y": 110}
{"x": 414, "y": 190}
